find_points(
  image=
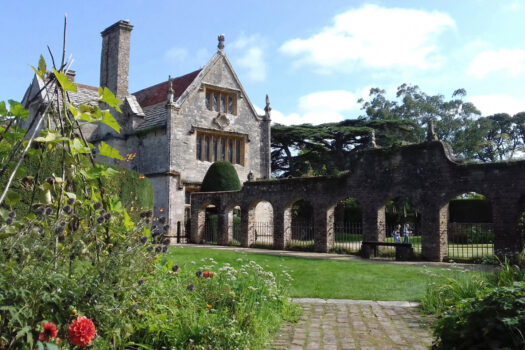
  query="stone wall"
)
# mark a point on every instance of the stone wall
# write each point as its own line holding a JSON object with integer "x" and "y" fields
{"x": 426, "y": 174}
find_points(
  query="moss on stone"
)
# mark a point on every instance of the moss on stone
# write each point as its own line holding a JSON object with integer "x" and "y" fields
{"x": 221, "y": 176}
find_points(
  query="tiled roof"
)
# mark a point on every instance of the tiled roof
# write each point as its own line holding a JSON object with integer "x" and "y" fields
{"x": 157, "y": 93}
{"x": 85, "y": 93}
{"x": 155, "y": 116}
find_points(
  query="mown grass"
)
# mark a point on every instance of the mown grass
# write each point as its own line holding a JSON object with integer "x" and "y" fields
{"x": 316, "y": 278}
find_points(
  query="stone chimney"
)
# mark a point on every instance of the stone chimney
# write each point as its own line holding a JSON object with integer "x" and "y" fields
{"x": 114, "y": 62}
{"x": 71, "y": 75}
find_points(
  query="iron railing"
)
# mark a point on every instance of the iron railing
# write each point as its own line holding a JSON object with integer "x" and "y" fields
{"x": 468, "y": 241}
{"x": 302, "y": 236}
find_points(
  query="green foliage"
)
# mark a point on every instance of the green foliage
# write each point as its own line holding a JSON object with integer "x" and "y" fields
{"x": 489, "y": 138}
{"x": 327, "y": 149}
{"x": 441, "y": 295}
{"x": 108, "y": 151}
{"x": 67, "y": 247}
{"x": 221, "y": 176}
{"x": 236, "y": 308}
{"x": 495, "y": 320}
{"x": 482, "y": 310}
{"x": 65, "y": 83}
{"x": 133, "y": 190}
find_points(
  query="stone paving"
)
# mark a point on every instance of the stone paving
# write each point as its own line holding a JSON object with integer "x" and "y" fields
{"x": 355, "y": 324}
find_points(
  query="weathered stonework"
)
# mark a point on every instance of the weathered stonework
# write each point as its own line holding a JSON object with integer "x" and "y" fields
{"x": 426, "y": 174}
{"x": 159, "y": 124}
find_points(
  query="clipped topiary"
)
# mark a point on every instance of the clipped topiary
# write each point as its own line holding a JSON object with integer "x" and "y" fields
{"x": 221, "y": 176}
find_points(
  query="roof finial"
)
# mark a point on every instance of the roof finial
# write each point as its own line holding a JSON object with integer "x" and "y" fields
{"x": 431, "y": 133}
{"x": 267, "y": 108}
{"x": 221, "y": 42}
{"x": 170, "y": 91}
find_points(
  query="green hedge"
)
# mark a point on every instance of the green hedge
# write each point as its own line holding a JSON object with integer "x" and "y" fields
{"x": 221, "y": 176}
{"x": 135, "y": 191}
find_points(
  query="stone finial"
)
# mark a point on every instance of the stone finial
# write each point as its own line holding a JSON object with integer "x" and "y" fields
{"x": 221, "y": 42}
{"x": 372, "y": 142}
{"x": 170, "y": 91}
{"x": 250, "y": 176}
{"x": 267, "y": 108}
{"x": 431, "y": 133}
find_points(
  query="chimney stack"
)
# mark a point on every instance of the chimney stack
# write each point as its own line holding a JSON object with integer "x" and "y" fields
{"x": 71, "y": 75}
{"x": 114, "y": 62}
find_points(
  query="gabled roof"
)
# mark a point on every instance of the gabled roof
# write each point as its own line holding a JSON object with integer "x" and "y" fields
{"x": 157, "y": 93}
{"x": 85, "y": 93}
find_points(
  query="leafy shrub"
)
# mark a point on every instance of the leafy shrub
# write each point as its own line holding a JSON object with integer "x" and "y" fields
{"x": 439, "y": 297}
{"x": 205, "y": 306}
{"x": 493, "y": 321}
{"x": 76, "y": 252}
{"x": 221, "y": 176}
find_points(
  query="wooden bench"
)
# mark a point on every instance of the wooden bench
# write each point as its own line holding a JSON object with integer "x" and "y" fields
{"x": 404, "y": 251}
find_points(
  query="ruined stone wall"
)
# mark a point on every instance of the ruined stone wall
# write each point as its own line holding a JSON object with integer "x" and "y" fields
{"x": 425, "y": 174}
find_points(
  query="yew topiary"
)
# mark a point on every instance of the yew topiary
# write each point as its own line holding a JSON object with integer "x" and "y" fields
{"x": 221, "y": 176}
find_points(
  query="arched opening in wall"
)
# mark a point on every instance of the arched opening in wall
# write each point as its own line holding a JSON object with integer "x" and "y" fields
{"x": 402, "y": 226}
{"x": 211, "y": 225}
{"x": 470, "y": 229}
{"x": 348, "y": 226}
{"x": 301, "y": 226}
{"x": 234, "y": 225}
{"x": 262, "y": 225}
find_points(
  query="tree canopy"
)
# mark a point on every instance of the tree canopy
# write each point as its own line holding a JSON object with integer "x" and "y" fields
{"x": 327, "y": 148}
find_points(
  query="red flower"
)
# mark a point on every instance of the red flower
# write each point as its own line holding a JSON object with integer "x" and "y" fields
{"x": 81, "y": 331}
{"x": 208, "y": 274}
{"x": 50, "y": 331}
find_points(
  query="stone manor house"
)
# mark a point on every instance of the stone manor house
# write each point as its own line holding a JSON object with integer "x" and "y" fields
{"x": 178, "y": 127}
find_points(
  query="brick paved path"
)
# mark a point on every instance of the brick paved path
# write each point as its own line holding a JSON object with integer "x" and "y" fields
{"x": 355, "y": 324}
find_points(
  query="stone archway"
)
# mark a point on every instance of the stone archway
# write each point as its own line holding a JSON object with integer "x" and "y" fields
{"x": 299, "y": 220}
{"x": 470, "y": 233}
{"x": 348, "y": 225}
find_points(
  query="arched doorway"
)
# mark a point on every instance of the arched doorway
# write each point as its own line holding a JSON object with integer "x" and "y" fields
{"x": 210, "y": 234}
{"x": 402, "y": 225}
{"x": 470, "y": 234}
{"x": 301, "y": 215}
{"x": 262, "y": 225}
{"x": 348, "y": 226}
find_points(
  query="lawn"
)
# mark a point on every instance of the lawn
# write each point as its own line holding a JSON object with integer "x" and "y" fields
{"x": 315, "y": 278}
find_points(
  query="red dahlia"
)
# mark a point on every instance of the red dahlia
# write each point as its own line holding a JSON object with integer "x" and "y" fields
{"x": 50, "y": 331}
{"x": 81, "y": 331}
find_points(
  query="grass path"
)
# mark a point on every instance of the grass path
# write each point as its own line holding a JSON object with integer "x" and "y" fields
{"x": 316, "y": 278}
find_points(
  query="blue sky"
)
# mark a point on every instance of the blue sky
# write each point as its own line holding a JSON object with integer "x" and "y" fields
{"x": 313, "y": 58}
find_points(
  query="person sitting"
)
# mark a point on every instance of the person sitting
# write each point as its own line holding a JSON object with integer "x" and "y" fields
{"x": 397, "y": 234}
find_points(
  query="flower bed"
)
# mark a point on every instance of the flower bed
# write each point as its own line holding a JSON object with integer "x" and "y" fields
{"x": 204, "y": 305}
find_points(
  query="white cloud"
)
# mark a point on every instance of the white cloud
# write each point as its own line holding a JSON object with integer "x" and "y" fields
{"x": 511, "y": 62}
{"x": 498, "y": 103}
{"x": 176, "y": 55}
{"x": 251, "y": 56}
{"x": 513, "y": 6}
{"x": 373, "y": 36}
{"x": 320, "y": 107}
{"x": 335, "y": 100}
